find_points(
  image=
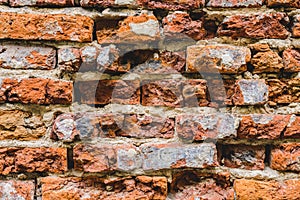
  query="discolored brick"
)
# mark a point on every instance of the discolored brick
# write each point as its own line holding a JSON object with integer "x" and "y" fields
{"x": 40, "y": 3}
{"x": 293, "y": 128}
{"x": 285, "y": 157}
{"x": 195, "y": 93}
{"x": 172, "y": 4}
{"x": 68, "y": 59}
{"x": 284, "y": 91}
{"x": 234, "y": 3}
{"x": 267, "y": 61}
{"x": 15, "y": 189}
{"x": 291, "y": 60}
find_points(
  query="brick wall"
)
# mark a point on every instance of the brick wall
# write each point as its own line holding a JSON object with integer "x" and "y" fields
{"x": 148, "y": 99}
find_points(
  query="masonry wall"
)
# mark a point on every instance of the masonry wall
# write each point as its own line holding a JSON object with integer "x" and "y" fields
{"x": 148, "y": 99}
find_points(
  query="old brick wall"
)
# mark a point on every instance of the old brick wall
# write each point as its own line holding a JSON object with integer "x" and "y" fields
{"x": 149, "y": 99}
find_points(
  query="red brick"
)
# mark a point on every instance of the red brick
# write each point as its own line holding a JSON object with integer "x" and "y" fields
{"x": 202, "y": 127}
{"x": 255, "y": 26}
{"x": 242, "y": 156}
{"x": 133, "y": 29}
{"x": 27, "y": 57}
{"x": 39, "y": 3}
{"x": 211, "y": 59}
{"x": 57, "y": 27}
{"x": 175, "y": 155}
{"x": 291, "y": 60}
{"x": 68, "y": 59}
{"x": 285, "y": 157}
{"x": 234, "y": 3}
{"x": 195, "y": 93}
{"x": 42, "y": 159}
{"x": 250, "y": 92}
{"x": 275, "y": 190}
{"x": 108, "y": 157}
{"x": 20, "y": 125}
{"x": 264, "y": 126}
{"x": 293, "y": 128}
{"x": 108, "y": 3}
{"x": 193, "y": 185}
{"x": 284, "y": 3}
{"x": 15, "y": 189}
{"x": 37, "y": 91}
{"x": 71, "y": 188}
{"x": 162, "y": 93}
{"x": 296, "y": 26}
{"x": 146, "y": 126}
{"x": 172, "y": 4}
{"x": 266, "y": 61}
{"x": 179, "y": 24}
{"x": 284, "y": 91}
{"x": 103, "y": 92}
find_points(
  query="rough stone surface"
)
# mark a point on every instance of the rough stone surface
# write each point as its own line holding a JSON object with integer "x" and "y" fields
{"x": 255, "y": 26}
{"x": 267, "y": 61}
{"x": 175, "y": 155}
{"x": 192, "y": 185}
{"x": 242, "y": 156}
{"x": 69, "y": 59}
{"x": 253, "y": 189}
{"x": 284, "y": 91}
{"x": 285, "y": 3}
{"x": 133, "y": 29}
{"x": 101, "y": 158}
{"x": 145, "y": 126}
{"x": 162, "y": 93}
{"x": 235, "y": 3}
{"x": 21, "y": 190}
{"x": 36, "y": 91}
{"x": 46, "y": 27}
{"x": 195, "y": 93}
{"x": 103, "y": 92}
{"x": 172, "y": 4}
{"x": 27, "y": 57}
{"x": 217, "y": 59}
{"x": 178, "y": 24}
{"x": 42, "y": 159}
{"x": 250, "y": 92}
{"x": 286, "y": 157}
{"x": 296, "y": 26}
{"x": 291, "y": 60}
{"x": 20, "y": 125}
{"x": 293, "y": 128}
{"x": 201, "y": 127}
{"x": 140, "y": 187}
{"x": 60, "y": 3}
{"x": 265, "y": 126}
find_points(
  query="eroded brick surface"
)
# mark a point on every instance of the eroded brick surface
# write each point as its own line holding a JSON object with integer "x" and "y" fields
{"x": 15, "y": 189}
{"x": 284, "y": 91}
{"x": 291, "y": 60}
{"x": 234, "y": 3}
{"x": 68, "y": 59}
{"x": 140, "y": 187}
{"x": 172, "y": 4}
{"x": 286, "y": 157}
{"x": 285, "y": 3}
{"x": 266, "y": 61}
{"x": 57, "y": 3}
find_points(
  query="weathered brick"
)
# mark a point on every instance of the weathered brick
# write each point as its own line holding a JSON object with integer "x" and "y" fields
{"x": 193, "y": 185}
{"x": 14, "y": 189}
{"x": 201, "y": 127}
{"x": 293, "y": 128}
{"x": 133, "y": 29}
{"x": 284, "y": 91}
{"x": 146, "y": 126}
{"x": 100, "y": 158}
{"x": 195, "y": 93}
{"x": 68, "y": 59}
{"x": 243, "y": 156}
{"x": 284, "y": 3}
{"x": 3, "y": 2}
{"x": 174, "y": 155}
{"x": 276, "y": 190}
{"x": 103, "y": 92}
{"x": 46, "y": 27}
{"x": 221, "y": 91}
{"x": 286, "y": 157}
{"x": 27, "y": 57}
{"x": 250, "y": 92}
{"x": 162, "y": 93}
{"x": 172, "y": 4}
{"x": 140, "y": 187}
{"x": 178, "y": 24}
{"x": 266, "y": 61}
{"x": 255, "y": 26}
{"x": 296, "y": 26}
{"x": 20, "y": 125}
{"x": 36, "y": 91}
{"x": 291, "y": 60}
{"x": 234, "y": 3}
{"x": 108, "y": 3}
{"x": 59, "y": 3}
{"x": 262, "y": 126}
{"x": 42, "y": 159}
{"x": 217, "y": 59}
